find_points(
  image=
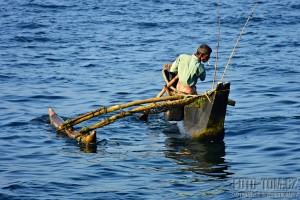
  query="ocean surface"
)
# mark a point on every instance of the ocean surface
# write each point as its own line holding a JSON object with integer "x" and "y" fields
{"x": 80, "y": 55}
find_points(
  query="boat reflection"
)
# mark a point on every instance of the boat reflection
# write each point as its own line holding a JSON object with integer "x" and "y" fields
{"x": 201, "y": 158}
{"x": 88, "y": 148}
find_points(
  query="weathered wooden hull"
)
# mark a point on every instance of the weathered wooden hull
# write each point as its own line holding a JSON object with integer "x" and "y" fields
{"x": 87, "y": 138}
{"x": 204, "y": 119}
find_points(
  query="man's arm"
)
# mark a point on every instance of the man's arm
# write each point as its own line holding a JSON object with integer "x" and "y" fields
{"x": 174, "y": 67}
{"x": 202, "y": 72}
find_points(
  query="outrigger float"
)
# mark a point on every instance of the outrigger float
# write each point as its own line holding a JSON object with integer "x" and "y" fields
{"x": 203, "y": 115}
{"x": 57, "y": 121}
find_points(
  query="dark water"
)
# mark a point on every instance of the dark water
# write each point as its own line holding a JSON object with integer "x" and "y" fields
{"x": 79, "y": 55}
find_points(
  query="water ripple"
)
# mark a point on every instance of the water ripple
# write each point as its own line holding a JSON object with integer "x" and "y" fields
{"x": 80, "y": 55}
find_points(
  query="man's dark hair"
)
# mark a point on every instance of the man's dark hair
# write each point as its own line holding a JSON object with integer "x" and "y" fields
{"x": 204, "y": 49}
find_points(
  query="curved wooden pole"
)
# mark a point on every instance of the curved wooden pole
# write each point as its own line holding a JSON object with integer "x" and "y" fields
{"x": 104, "y": 110}
{"x": 145, "y": 115}
{"x": 183, "y": 100}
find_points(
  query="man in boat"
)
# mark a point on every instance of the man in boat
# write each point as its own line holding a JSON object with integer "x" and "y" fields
{"x": 190, "y": 68}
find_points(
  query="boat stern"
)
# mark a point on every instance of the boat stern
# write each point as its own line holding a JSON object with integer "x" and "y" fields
{"x": 204, "y": 120}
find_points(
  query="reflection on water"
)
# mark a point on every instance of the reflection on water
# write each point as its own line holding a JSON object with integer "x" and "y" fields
{"x": 88, "y": 148}
{"x": 201, "y": 158}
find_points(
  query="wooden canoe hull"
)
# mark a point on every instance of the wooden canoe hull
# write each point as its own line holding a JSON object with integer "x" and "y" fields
{"x": 203, "y": 120}
{"x": 87, "y": 138}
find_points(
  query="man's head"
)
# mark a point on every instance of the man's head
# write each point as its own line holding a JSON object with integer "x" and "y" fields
{"x": 203, "y": 52}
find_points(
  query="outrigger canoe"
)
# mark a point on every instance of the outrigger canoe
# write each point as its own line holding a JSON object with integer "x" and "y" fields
{"x": 87, "y": 138}
{"x": 204, "y": 119}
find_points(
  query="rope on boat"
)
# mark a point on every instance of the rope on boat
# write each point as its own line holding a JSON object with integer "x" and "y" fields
{"x": 206, "y": 94}
{"x": 217, "y": 52}
{"x": 238, "y": 40}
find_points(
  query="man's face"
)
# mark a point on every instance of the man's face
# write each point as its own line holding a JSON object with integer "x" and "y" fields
{"x": 205, "y": 57}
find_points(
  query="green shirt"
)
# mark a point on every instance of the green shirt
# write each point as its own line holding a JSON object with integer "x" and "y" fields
{"x": 189, "y": 69}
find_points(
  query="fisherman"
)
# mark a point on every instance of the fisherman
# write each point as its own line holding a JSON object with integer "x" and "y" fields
{"x": 190, "y": 68}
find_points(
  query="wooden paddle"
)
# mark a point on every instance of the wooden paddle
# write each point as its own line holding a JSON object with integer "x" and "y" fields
{"x": 144, "y": 116}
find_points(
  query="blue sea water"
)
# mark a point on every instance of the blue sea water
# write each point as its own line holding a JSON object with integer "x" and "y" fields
{"x": 77, "y": 56}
